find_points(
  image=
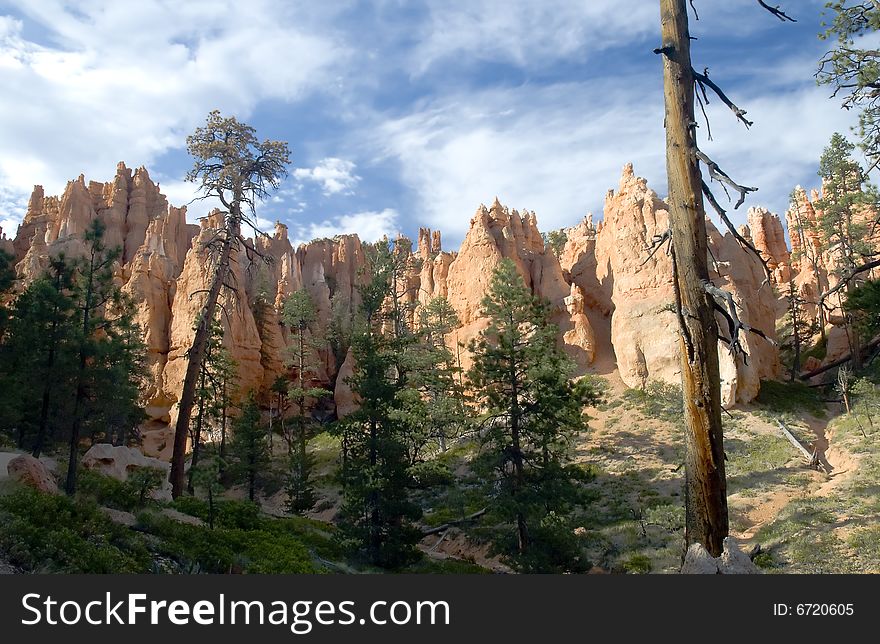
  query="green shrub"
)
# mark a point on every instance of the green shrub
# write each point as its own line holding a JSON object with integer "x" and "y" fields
{"x": 638, "y": 564}
{"x": 123, "y": 495}
{"x": 430, "y": 474}
{"x": 192, "y": 506}
{"x": 52, "y": 533}
{"x": 659, "y": 399}
{"x": 789, "y": 397}
{"x": 224, "y": 549}
{"x": 242, "y": 515}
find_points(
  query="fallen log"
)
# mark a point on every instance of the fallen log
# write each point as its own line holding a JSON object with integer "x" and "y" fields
{"x": 446, "y": 526}
{"x": 794, "y": 441}
{"x": 840, "y": 361}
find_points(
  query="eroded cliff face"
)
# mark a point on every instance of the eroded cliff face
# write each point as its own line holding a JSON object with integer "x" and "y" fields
{"x": 611, "y": 301}
{"x": 498, "y": 233}
{"x": 627, "y": 277}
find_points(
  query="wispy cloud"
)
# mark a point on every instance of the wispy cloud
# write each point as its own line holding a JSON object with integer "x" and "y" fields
{"x": 119, "y": 81}
{"x": 527, "y": 34}
{"x": 332, "y": 174}
{"x": 369, "y": 225}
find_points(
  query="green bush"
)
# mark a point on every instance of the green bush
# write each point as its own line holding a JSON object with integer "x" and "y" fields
{"x": 242, "y": 515}
{"x": 638, "y": 564}
{"x": 226, "y": 549}
{"x": 123, "y": 495}
{"x": 52, "y": 533}
{"x": 192, "y": 506}
{"x": 789, "y": 397}
{"x": 430, "y": 474}
{"x": 658, "y": 400}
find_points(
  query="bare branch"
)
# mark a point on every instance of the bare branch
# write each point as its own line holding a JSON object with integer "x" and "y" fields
{"x": 657, "y": 243}
{"x": 716, "y": 173}
{"x": 844, "y": 281}
{"x": 704, "y": 81}
{"x": 776, "y": 11}
{"x": 742, "y": 240}
{"x": 724, "y": 303}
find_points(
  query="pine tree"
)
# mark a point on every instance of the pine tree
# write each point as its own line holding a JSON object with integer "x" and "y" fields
{"x": 249, "y": 448}
{"x": 805, "y": 230}
{"x": 531, "y": 412}
{"x": 94, "y": 291}
{"x": 438, "y": 378}
{"x": 797, "y": 330}
{"x": 211, "y": 402}
{"x": 852, "y": 68}
{"x": 7, "y": 278}
{"x": 842, "y": 224}
{"x": 238, "y": 169}
{"x": 119, "y": 374}
{"x": 376, "y": 514}
{"x": 300, "y": 316}
{"x": 38, "y": 358}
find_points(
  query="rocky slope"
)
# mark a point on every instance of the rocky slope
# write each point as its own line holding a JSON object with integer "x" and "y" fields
{"x": 609, "y": 299}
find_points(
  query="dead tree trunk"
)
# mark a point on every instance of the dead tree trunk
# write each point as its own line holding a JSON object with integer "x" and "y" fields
{"x": 706, "y": 487}
{"x": 196, "y": 355}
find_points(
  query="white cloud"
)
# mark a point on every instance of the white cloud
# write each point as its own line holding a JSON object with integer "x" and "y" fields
{"x": 528, "y": 34}
{"x": 557, "y": 149}
{"x": 128, "y": 81}
{"x": 333, "y": 174}
{"x": 369, "y": 225}
{"x": 554, "y": 150}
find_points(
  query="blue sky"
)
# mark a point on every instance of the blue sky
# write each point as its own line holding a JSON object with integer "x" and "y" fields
{"x": 402, "y": 114}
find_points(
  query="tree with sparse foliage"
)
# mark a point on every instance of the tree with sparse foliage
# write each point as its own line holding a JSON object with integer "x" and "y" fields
{"x": 555, "y": 241}
{"x": 212, "y": 399}
{"x": 239, "y": 170}
{"x": 697, "y": 300}
{"x": 797, "y": 330}
{"x": 852, "y": 67}
{"x": 532, "y": 410}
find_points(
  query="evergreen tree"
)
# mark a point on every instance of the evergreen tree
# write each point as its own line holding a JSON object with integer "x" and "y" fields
{"x": 7, "y": 278}
{"x": 38, "y": 359}
{"x": 438, "y": 378}
{"x": 102, "y": 341}
{"x": 842, "y": 224}
{"x": 531, "y": 412}
{"x": 376, "y": 513}
{"x": 211, "y": 401}
{"x": 852, "y": 68}
{"x": 797, "y": 331}
{"x": 232, "y": 165}
{"x": 805, "y": 230}
{"x": 555, "y": 241}
{"x": 249, "y": 449}
{"x": 863, "y": 306}
{"x": 119, "y": 374}
{"x": 300, "y": 316}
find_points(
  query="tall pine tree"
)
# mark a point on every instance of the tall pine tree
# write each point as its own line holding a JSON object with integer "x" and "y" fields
{"x": 300, "y": 316}
{"x": 531, "y": 412}
{"x": 377, "y": 512}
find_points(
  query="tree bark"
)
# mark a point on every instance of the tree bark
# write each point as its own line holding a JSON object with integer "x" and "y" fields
{"x": 706, "y": 488}
{"x": 197, "y": 356}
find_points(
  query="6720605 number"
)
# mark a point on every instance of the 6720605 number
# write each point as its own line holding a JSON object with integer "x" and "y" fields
{"x": 824, "y": 609}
